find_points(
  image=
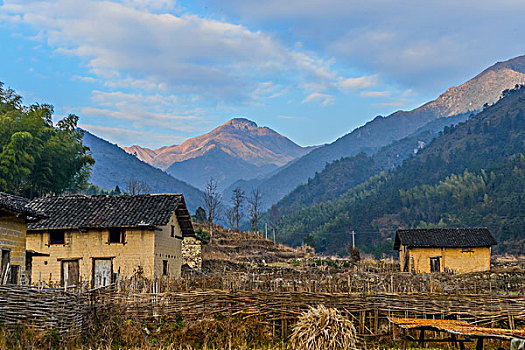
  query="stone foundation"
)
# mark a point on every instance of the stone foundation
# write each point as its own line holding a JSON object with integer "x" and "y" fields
{"x": 191, "y": 253}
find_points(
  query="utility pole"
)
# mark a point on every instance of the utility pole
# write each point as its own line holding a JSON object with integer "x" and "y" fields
{"x": 266, "y": 230}
{"x": 353, "y": 239}
{"x": 273, "y": 235}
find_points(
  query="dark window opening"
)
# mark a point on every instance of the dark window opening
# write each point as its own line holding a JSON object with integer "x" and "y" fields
{"x": 164, "y": 267}
{"x": 6, "y": 259}
{"x": 13, "y": 276}
{"x": 57, "y": 237}
{"x": 172, "y": 231}
{"x": 435, "y": 265}
{"x": 407, "y": 261}
{"x": 117, "y": 235}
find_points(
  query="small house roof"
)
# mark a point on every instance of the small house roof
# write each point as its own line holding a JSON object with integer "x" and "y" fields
{"x": 84, "y": 212}
{"x": 444, "y": 237}
{"x": 18, "y": 205}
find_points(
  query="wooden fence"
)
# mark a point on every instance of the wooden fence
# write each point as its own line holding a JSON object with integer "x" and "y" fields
{"x": 43, "y": 309}
{"x": 369, "y": 312}
{"x": 330, "y": 281}
{"x": 70, "y": 313}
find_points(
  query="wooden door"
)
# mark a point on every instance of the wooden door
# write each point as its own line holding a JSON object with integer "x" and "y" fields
{"x": 70, "y": 273}
{"x": 102, "y": 272}
{"x": 435, "y": 265}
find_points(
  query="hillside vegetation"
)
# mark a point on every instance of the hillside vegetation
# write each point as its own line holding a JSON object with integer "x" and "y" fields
{"x": 467, "y": 98}
{"x": 339, "y": 176}
{"x": 114, "y": 167}
{"x": 472, "y": 175}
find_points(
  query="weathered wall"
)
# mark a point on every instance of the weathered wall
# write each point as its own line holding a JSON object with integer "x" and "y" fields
{"x": 168, "y": 248}
{"x": 468, "y": 260}
{"x": 13, "y": 237}
{"x": 191, "y": 253}
{"x": 136, "y": 251}
{"x": 459, "y": 260}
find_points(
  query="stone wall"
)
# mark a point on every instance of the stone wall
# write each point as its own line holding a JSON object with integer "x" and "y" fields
{"x": 191, "y": 253}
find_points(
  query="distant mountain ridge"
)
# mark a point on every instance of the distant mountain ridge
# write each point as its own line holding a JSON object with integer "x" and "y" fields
{"x": 113, "y": 167}
{"x": 472, "y": 175}
{"x": 144, "y": 154}
{"x": 339, "y": 176}
{"x": 469, "y": 97}
{"x": 237, "y": 149}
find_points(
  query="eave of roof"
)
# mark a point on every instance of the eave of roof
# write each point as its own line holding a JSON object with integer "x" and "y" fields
{"x": 444, "y": 238}
{"x": 80, "y": 212}
{"x": 18, "y": 206}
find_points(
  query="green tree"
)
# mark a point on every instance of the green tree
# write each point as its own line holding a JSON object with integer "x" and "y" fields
{"x": 37, "y": 157}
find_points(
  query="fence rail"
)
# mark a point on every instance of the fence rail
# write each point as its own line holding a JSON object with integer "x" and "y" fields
{"x": 369, "y": 312}
{"x": 69, "y": 313}
{"x": 43, "y": 309}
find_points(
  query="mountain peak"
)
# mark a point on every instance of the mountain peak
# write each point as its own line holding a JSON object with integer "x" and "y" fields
{"x": 236, "y": 149}
{"x": 240, "y": 123}
{"x": 516, "y": 64}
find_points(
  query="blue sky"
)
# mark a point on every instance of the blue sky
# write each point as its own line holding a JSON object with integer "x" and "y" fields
{"x": 156, "y": 72}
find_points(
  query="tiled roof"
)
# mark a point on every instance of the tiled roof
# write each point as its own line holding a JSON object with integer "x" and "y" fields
{"x": 17, "y": 205}
{"x": 444, "y": 237}
{"x": 79, "y": 211}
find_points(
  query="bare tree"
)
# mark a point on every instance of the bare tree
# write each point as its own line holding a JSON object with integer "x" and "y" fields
{"x": 238, "y": 201}
{"x": 212, "y": 202}
{"x": 230, "y": 217}
{"x": 136, "y": 186}
{"x": 254, "y": 208}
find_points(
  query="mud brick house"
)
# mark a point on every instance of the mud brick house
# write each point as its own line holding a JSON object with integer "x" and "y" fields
{"x": 94, "y": 238}
{"x": 458, "y": 250}
{"x": 14, "y": 216}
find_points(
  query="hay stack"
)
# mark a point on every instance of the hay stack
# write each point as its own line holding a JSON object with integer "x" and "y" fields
{"x": 322, "y": 328}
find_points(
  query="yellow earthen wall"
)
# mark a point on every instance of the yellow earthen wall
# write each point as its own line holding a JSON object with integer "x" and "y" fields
{"x": 168, "y": 248}
{"x": 13, "y": 237}
{"x": 459, "y": 260}
{"x": 137, "y": 251}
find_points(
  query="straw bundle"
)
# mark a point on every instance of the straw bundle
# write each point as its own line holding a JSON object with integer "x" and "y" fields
{"x": 323, "y": 328}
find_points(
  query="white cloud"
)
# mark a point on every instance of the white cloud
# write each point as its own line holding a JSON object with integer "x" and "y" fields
{"x": 374, "y": 94}
{"x": 429, "y": 45}
{"x": 159, "y": 5}
{"x": 358, "y": 83}
{"x": 324, "y": 99}
{"x": 86, "y": 79}
{"x": 145, "y": 112}
{"x": 128, "y": 137}
{"x": 132, "y": 45}
{"x": 269, "y": 90}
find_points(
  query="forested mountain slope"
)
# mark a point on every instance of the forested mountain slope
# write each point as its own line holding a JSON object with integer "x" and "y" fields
{"x": 469, "y": 97}
{"x": 472, "y": 175}
{"x": 113, "y": 166}
{"x": 338, "y": 177}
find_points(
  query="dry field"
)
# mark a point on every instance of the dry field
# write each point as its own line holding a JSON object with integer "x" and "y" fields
{"x": 251, "y": 293}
